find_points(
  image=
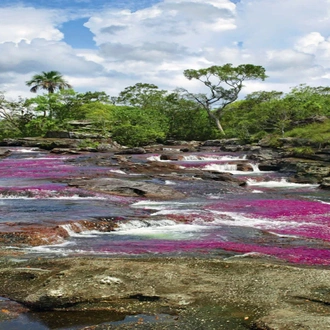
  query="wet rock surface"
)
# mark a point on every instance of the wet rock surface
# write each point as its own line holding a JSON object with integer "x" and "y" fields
{"x": 199, "y": 293}
{"x": 127, "y": 188}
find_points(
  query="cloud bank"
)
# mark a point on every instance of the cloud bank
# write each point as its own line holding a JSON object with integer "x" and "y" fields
{"x": 155, "y": 44}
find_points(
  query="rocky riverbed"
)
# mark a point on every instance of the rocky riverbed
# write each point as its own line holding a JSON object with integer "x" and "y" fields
{"x": 222, "y": 290}
{"x": 195, "y": 293}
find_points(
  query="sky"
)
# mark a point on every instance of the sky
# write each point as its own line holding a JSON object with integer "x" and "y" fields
{"x": 107, "y": 45}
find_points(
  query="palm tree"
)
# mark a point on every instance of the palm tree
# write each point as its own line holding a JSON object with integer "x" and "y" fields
{"x": 50, "y": 81}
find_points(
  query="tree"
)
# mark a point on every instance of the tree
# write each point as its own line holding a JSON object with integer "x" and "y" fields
{"x": 49, "y": 81}
{"x": 224, "y": 83}
{"x": 141, "y": 95}
{"x": 14, "y": 115}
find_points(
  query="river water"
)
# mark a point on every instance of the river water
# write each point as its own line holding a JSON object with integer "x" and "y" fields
{"x": 269, "y": 217}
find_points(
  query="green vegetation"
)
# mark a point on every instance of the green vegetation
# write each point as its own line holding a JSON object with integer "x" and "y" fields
{"x": 49, "y": 81}
{"x": 317, "y": 134}
{"x": 224, "y": 84}
{"x": 144, "y": 114}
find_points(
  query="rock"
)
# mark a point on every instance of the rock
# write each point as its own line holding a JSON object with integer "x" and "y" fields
{"x": 260, "y": 295}
{"x": 128, "y": 188}
{"x": 4, "y": 152}
{"x": 64, "y": 151}
{"x": 80, "y": 123}
{"x": 132, "y": 151}
{"x": 254, "y": 148}
{"x": 112, "y": 146}
{"x": 42, "y": 143}
{"x": 245, "y": 167}
{"x": 11, "y": 142}
{"x": 269, "y": 166}
{"x": 325, "y": 184}
{"x": 58, "y": 134}
{"x": 222, "y": 142}
{"x": 216, "y": 176}
{"x": 231, "y": 148}
{"x": 312, "y": 170}
{"x": 291, "y": 320}
{"x": 263, "y": 155}
{"x": 170, "y": 157}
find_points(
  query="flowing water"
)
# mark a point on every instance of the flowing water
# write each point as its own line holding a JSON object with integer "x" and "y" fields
{"x": 270, "y": 216}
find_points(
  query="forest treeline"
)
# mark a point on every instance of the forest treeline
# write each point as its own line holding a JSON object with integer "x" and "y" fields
{"x": 144, "y": 114}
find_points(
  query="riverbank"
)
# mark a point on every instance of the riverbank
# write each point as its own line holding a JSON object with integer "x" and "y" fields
{"x": 199, "y": 293}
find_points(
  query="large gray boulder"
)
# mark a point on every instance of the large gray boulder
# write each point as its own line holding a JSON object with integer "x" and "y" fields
{"x": 128, "y": 188}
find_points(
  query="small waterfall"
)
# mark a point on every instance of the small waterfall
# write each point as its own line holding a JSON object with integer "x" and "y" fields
{"x": 279, "y": 183}
{"x": 221, "y": 167}
{"x": 134, "y": 225}
{"x": 212, "y": 158}
{"x": 73, "y": 229}
{"x": 255, "y": 167}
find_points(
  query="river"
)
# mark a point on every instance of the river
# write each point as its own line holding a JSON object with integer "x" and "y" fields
{"x": 270, "y": 216}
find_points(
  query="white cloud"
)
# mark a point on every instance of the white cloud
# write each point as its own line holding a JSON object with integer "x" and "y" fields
{"x": 156, "y": 44}
{"x": 27, "y": 23}
{"x": 47, "y": 55}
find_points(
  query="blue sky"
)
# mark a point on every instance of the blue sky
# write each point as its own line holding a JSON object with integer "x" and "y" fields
{"x": 106, "y": 46}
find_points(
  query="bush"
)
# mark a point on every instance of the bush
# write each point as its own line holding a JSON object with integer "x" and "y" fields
{"x": 136, "y": 135}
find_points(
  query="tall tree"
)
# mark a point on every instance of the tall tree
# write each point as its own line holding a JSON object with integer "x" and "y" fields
{"x": 141, "y": 95}
{"x": 224, "y": 83}
{"x": 49, "y": 81}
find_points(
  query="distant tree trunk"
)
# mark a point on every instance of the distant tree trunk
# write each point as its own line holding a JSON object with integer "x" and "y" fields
{"x": 217, "y": 121}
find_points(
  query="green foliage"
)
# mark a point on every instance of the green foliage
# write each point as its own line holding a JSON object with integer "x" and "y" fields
{"x": 141, "y": 95}
{"x": 316, "y": 133}
{"x": 136, "y": 135}
{"x": 305, "y": 150}
{"x": 88, "y": 143}
{"x": 137, "y": 127}
{"x": 14, "y": 115}
{"x": 144, "y": 114}
{"x": 49, "y": 81}
{"x": 100, "y": 114}
{"x": 224, "y": 84}
{"x": 39, "y": 126}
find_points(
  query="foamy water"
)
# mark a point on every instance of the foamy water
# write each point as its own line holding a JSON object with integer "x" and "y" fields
{"x": 278, "y": 184}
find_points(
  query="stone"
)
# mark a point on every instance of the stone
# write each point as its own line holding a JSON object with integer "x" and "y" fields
{"x": 325, "y": 184}
{"x": 260, "y": 295}
{"x": 58, "y": 134}
{"x": 216, "y": 176}
{"x": 128, "y": 188}
{"x": 4, "y": 152}
{"x": 132, "y": 151}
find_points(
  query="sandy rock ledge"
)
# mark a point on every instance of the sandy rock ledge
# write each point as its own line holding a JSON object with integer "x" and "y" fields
{"x": 199, "y": 293}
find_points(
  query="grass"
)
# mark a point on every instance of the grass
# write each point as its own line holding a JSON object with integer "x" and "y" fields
{"x": 316, "y": 133}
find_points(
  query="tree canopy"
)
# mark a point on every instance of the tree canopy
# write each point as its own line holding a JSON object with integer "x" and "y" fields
{"x": 224, "y": 84}
{"x": 49, "y": 81}
{"x": 143, "y": 113}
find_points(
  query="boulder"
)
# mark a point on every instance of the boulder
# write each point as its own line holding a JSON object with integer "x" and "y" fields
{"x": 222, "y": 142}
{"x": 58, "y": 134}
{"x": 64, "y": 151}
{"x": 325, "y": 184}
{"x": 244, "y": 167}
{"x": 216, "y": 176}
{"x": 170, "y": 157}
{"x": 128, "y": 188}
{"x": 4, "y": 152}
{"x": 132, "y": 151}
